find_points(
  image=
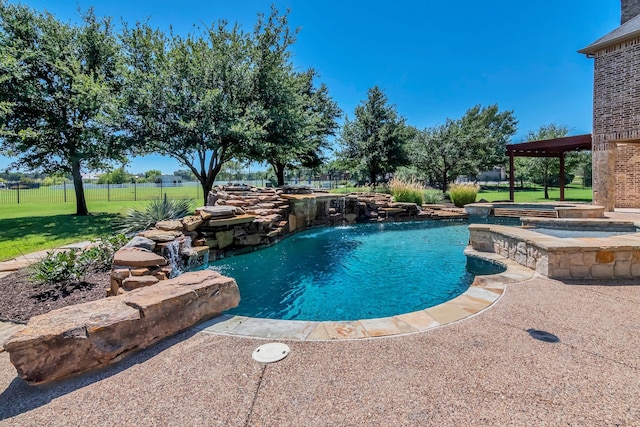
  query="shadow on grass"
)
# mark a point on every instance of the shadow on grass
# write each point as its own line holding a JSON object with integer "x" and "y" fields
{"x": 24, "y": 235}
{"x": 19, "y": 397}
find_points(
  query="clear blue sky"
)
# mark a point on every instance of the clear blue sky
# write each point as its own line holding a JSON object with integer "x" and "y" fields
{"x": 433, "y": 59}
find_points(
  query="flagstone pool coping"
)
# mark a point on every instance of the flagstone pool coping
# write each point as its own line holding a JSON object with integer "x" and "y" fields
{"x": 484, "y": 291}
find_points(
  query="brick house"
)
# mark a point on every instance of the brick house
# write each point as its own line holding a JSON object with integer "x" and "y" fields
{"x": 616, "y": 112}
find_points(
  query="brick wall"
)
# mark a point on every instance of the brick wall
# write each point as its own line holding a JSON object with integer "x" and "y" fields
{"x": 616, "y": 117}
{"x": 630, "y": 9}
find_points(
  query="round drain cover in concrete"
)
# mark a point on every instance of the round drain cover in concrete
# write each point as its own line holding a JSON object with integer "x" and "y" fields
{"x": 272, "y": 352}
{"x": 543, "y": 335}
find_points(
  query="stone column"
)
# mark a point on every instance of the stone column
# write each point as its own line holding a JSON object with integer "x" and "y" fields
{"x": 604, "y": 174}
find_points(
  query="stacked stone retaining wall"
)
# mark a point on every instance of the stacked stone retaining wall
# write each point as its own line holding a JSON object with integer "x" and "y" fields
{"x": 616, "y": 257}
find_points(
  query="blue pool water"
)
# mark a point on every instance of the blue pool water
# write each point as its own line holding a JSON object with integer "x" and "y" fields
{"x": 571, "y": 233}
{"x": 354, "y": 272}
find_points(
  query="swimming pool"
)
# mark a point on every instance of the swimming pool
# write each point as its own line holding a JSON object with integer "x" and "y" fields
{"x": 355, "y": 272}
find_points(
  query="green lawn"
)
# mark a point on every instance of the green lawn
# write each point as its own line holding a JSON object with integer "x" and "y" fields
{"x": 536, "y": 194}
{"x": 572, "y": 193}
{"x": 30, "y": 227}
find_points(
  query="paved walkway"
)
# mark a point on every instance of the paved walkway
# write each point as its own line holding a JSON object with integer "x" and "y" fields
{"x": 485, "y": 370}
{"x": 7, "y": 267}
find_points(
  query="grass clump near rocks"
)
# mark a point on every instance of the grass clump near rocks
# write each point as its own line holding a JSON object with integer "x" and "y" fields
{"x": 463, "y": 194}
{"x": 433, "y": 197}
{"x": 157, "y": 210}
{"x": 408, "y": 192}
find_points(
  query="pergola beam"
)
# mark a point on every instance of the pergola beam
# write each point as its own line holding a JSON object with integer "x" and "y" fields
{"x": 556, "y": 147}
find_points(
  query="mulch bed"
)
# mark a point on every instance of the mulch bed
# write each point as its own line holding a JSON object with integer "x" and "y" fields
{"x": 21, "y": 299}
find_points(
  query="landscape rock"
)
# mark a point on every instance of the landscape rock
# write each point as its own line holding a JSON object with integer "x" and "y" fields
{"x": 248, "y": 240}
{"x": 169, "y": 225}
{"x": 135, "y": 257}
{"x": 192, "y": 222}
{"x": 224, "y": 238}
{"x": 160, "y": 235}
{"x": 141, "y": 242}
{"x": 82, "y": 337}
{"x": 135, "y": 282}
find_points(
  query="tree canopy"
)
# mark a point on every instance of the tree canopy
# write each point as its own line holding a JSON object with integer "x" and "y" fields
{"x": 58, "y": 89}
{"x": 464, "y": 146}
{"x": 221, "y": 94}
{"x": 300, "y": 117}
{"x": 190, "y": 97}
{"x": 376, "y": 138}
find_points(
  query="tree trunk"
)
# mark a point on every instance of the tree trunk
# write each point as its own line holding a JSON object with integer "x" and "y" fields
{"x": 206, "y": 181}
{"x": 278, "y": 169}
{"x": 81, "y": 203}
{"x": 444, "y": 181}
{"x": 546, "y": 184}
{"x": 373, "y": 178}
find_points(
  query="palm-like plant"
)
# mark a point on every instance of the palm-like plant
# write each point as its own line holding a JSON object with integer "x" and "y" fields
{"x": 157, "y": 210}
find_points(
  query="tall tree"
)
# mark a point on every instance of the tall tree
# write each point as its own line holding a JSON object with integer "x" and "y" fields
{"x": 465, "y": 146}
{"x": 58, "y": 88}
{"x": 191, "y": 98}
{"x": 299, "y": 120}
{"x": 375, "y": 139}
{"x": 298, "y": 117}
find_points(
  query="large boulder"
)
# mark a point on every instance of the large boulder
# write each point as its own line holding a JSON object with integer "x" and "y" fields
{"x": 82, "y": 337}
{"x": 136, "y": 257}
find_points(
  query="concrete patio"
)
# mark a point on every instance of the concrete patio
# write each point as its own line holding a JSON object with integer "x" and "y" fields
{"x": 484, "y": 370}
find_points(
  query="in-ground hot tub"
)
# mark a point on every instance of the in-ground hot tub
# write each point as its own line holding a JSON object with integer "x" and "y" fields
{"x": 545, "y": 210}
{"x": 585, "y": 249}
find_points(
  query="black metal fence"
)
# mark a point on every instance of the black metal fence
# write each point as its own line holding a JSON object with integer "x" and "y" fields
{"x": 21, "y": 192}
{"x": 16, "y": 193}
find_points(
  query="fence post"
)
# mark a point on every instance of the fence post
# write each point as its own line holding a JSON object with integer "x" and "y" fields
{"x": 64, "y": 188}
{"x": 18, "y": 192}
{"x": 165, "y": 196}
{"x": 108, "y": 192}
{"x": 135, "y": 190}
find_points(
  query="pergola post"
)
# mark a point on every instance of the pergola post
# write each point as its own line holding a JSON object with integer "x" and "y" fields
{"x": 556, "y": 147}
{"x": 562, "y": 177}
{"x": 511, "y": 176}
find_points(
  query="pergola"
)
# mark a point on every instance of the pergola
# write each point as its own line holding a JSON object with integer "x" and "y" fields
{"x": 546, "y": 148}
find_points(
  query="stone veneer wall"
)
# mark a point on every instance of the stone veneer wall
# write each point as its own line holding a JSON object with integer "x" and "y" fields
{"x": 616, "y": 126}
{"x": 630, "y": 9}
{"x": 561, "y": 258}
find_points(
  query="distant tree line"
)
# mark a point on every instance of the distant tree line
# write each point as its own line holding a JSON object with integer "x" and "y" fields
{"x": 378, "y": 143}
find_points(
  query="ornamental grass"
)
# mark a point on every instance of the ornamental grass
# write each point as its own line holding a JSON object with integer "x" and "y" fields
{"x": 408, "y": 192}
{"x": 463, "y": 194}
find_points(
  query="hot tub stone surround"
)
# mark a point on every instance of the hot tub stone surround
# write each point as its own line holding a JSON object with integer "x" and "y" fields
{"x": 519, "y": 210}
{"x": 603, "y": 258}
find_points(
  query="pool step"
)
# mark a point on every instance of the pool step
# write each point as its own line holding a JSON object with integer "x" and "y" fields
{"x": 519, "y": 213}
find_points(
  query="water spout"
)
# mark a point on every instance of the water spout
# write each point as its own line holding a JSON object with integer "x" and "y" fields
{"x": 173, "y": 257}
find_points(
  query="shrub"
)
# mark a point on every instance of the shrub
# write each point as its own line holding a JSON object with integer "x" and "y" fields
{"x": 157, "y": 210}
{"x": 410, "y": 192}
{"x": 58, "y": 268}
{"x": 433, "y": 197}
{"x": 69, "y": 266}
{"x": 462, "y": 194}
{"x": 99, "y": 256}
